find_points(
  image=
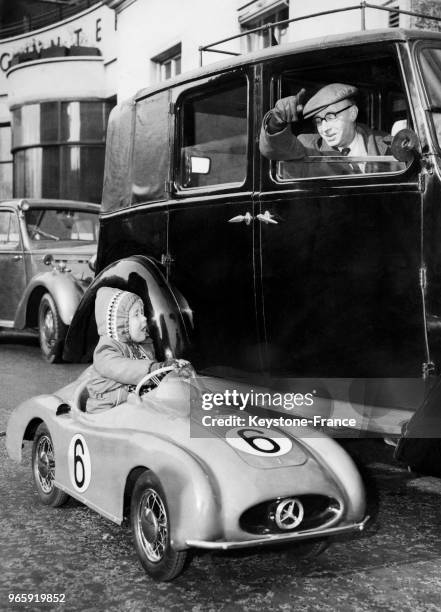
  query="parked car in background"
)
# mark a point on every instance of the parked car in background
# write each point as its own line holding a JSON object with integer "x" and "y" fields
{"x": 45, "y": 251}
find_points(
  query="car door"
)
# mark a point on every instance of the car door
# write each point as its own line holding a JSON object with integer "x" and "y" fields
{"x": 211, "y": 222}
{"x": 341, "y": 252}
{"x": 12, "y": 267}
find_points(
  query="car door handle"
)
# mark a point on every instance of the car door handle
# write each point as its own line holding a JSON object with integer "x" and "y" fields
{"x": 17, "y": 257}
{"x": 247, "y": 218}
{"x": 266, "y": 217}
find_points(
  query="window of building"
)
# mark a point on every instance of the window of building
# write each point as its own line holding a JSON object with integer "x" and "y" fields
{"x": 215, "y": 134}
{"x": 168, "y": 63}
{"x": 5, "y": 161}
{"x": 58, "y": 149}
{"x": 257, "y": 14}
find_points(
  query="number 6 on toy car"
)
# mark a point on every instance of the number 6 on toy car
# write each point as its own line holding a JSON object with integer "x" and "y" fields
{"x": 80, "y": 468}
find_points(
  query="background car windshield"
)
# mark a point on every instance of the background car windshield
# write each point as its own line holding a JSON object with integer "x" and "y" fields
{"x": 430, "y": 61}
{"x": 61, "y": 224}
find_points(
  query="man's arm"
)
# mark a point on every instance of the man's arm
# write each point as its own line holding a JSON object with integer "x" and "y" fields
{"x": 276, "y": 139}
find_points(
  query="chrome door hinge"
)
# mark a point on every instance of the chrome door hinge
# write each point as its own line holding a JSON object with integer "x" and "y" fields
{"x": 246, "y": 218}
{"x": 267, "y": 218}
{"x": 421, "y": 182}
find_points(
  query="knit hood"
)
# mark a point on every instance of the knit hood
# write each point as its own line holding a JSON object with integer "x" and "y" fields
{"x": 112, "y": 312}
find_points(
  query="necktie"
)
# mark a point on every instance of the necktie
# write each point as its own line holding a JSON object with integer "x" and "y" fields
{"x": 354, "y": 167}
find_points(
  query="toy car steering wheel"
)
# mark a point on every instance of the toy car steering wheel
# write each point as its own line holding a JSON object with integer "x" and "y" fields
{"x": 155, "y": 377}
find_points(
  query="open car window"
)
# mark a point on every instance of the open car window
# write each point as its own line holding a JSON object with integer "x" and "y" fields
{"x": 382, "y": 112}
{"x": 430, "y": 63}
{"x": 214, "y": 128}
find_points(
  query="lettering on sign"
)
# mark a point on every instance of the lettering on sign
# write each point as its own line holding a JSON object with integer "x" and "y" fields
{"x": 76, "y": 37}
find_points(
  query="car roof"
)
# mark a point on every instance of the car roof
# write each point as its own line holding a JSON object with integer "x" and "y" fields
{"x": 50, "y": 203}
{"x": 310, "y": 44}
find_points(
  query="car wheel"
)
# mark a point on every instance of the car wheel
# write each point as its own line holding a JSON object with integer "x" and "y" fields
{"x": 151, "y": 530}
{"x": 43, "y": 469}
{"x": 308, "y": 549}
{"x": 51, "y": 328}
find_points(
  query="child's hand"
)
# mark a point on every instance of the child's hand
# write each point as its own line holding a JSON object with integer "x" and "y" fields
{"x": 186, "y": 370}
{"x": 182, "y": 366}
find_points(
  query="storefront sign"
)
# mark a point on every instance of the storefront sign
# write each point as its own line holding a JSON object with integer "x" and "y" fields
{"x": 93, "y": 28}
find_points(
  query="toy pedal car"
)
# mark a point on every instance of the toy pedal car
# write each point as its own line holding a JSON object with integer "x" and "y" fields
{"x": 188, "y": 485}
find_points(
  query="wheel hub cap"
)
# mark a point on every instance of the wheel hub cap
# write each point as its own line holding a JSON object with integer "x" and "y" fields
{"x": 48, "y": 329}
{"x": 152, "y": 526}
{"x": 45, "y": 464}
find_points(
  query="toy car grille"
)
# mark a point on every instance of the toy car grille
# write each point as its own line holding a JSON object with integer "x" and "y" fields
{"x": 318, "y": 511}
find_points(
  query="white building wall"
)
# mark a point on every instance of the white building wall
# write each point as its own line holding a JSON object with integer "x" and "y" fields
{"x": 347, "y": 21}
{"x": 149, "y": 27}
{"x": 94, "y": 27}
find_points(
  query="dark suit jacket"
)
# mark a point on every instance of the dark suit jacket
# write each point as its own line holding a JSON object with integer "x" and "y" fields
{"x": 285, "y": 146}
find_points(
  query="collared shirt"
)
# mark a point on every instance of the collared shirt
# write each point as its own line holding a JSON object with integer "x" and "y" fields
{"x": 357, "y": 148}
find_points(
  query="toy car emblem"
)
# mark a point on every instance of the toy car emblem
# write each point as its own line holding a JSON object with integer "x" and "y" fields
{"x": 289, "y": 513}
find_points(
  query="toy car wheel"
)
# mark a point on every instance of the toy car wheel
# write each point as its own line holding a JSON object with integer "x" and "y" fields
{"x": 151, "y": 530}
{"x": 43, "y": 469}
{"x": 308, "y": 549}
{"x": 51, "y": 328}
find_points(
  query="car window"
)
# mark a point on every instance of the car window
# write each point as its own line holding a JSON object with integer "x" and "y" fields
{"x": 60, "y": 224}
{"x": 214, "y": 132}
{"x": 382, "y": 111}
{"x": 9, "y": 231}
{"x": 430, "y": 62}
{"x": 151, "y": 148}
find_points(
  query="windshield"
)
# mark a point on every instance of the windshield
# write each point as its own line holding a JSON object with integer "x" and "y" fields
{"x": 430, "y": 61}
{"x": 61, "y": 224}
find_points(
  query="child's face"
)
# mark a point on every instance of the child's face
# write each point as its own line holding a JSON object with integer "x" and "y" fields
{"x": 137, "y": 322}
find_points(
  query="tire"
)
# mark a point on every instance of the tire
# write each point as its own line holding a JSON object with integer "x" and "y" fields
{"x": 43, "y": 469}
{"x": 51, "y": 329}
{"x": 150, "y": 524}
{"x": 308, "y": 549}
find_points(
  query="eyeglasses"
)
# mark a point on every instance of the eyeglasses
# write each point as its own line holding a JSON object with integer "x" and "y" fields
{"x": 329, "y": 117}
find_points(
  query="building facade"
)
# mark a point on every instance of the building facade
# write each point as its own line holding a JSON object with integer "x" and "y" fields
{"x": 59, "y": 82}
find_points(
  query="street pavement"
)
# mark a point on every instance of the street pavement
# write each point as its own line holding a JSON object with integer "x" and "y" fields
{"x": 393, "y": 565}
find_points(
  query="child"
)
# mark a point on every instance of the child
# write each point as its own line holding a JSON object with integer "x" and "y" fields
{"x": 125, "y": 352}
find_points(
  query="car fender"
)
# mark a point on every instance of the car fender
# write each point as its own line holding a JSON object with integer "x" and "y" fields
{"x": 64, "y": 288}
{"x": 191, "y": 491}
{"x": 188, "y": 483}
{"x": 168, "y": 314}
{"x": 25, "y": 419}
{"x": 337, "y": 461}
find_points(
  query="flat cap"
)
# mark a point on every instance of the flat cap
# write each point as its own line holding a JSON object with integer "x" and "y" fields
{"x": 329, "y": 94}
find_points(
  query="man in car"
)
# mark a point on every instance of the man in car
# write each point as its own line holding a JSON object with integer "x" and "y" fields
{"x": 333, "y": 112}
